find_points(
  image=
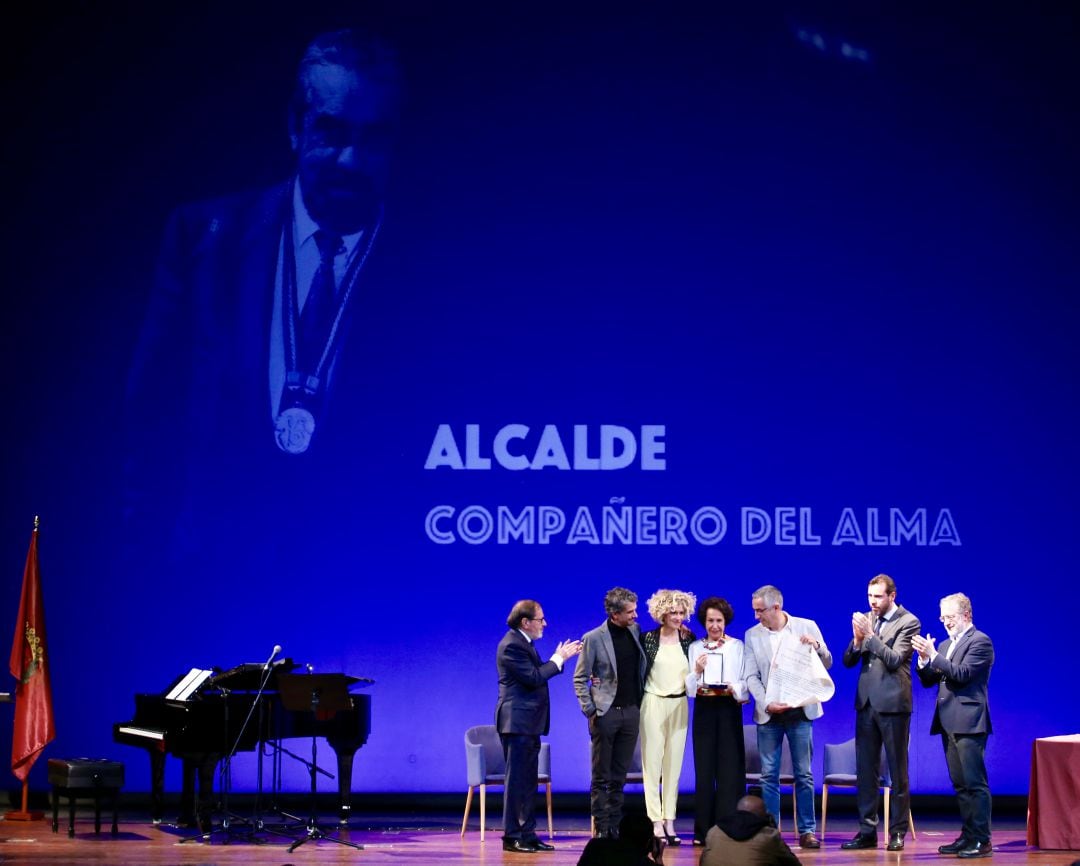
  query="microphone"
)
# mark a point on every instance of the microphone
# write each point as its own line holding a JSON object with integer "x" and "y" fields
{"x": 277, "y": 649}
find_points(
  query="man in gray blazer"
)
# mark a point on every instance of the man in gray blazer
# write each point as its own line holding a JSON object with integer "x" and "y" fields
{"x": 960, "y": 668}
{"x": 881, "y": 645}
{"x": 609, "y": 681}
{"x": 775, "y": 720}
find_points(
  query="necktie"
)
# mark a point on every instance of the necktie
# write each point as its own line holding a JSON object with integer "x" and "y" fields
{"x": 319, "y": 307}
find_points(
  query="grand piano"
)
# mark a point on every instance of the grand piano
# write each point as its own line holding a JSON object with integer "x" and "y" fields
{"x": 202, "y": 715}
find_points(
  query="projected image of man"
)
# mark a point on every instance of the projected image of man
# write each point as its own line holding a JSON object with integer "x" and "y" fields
{"x": 242, "y": 387}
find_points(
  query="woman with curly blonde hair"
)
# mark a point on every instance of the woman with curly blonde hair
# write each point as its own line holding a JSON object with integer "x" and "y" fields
{"x": 665, "y": 713}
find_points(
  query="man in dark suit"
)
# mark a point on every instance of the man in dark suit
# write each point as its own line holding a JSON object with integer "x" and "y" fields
{"x": 522, "y": 716}
{"x": 960, "y": 668}
{"x": 881, "y": 645}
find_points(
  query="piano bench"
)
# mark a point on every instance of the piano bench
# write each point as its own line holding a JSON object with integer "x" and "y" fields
{"x": 85, "y": 777}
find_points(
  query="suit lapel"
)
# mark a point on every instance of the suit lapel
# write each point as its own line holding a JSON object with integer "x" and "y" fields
{"x": 608, "y": 644}
{"x": 530, "y": 646}
{"x": 961, "y": 644}
{"x": 891, "y": 625}
{"x": 256, "y": 270}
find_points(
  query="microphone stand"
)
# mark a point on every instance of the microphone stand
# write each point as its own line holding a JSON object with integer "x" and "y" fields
{"x": 293, "y": 821}
{"x": 314, "y": 832}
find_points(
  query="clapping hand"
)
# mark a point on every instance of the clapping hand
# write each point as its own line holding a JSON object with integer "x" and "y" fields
{"x": 924, "y": 646}
{"x": 860, "y": 626}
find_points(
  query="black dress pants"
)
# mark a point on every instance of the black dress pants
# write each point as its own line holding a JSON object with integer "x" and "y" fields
{"x": 873, "y": 730}
{"x": 614, "y": 736}
{"x": 965, "y": 755}
{"x": 719, "y": 760}
{"x": 522, "y": 754}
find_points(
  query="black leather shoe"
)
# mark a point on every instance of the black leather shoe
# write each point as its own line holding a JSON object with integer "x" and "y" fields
{"x": 519, "y": 847}
{"x": 955, "y": 847}
{"x": 541, "y": 846}
{"x": 975, "y": 849}
{"x": 896, "y": 842}
{"x": 863, "y": 840}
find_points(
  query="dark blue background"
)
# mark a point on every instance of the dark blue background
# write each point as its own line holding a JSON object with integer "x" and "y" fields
{"x": 837, "y": 282}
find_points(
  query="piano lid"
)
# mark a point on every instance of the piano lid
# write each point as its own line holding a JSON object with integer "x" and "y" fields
{"x": 249, "y": 676}
{"x": 322, "y": 693}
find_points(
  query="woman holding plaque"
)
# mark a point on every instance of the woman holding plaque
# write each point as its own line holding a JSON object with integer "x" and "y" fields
{"x": 716, "y": 683}
{"x": 665, "y": 713}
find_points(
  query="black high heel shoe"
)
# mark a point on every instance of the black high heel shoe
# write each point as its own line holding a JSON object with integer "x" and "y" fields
{"x": 669, "y": 834}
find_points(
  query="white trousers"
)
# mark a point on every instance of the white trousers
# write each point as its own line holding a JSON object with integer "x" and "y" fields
{"x": 663, "y": 742}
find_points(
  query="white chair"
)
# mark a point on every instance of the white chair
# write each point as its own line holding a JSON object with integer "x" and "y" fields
{"x": 840, "y": 773}
{"x": 485, "y": 765}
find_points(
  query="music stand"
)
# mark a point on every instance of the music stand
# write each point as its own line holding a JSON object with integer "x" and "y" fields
{"x": 250, "y": 677}
{"x": 319, "y": 694}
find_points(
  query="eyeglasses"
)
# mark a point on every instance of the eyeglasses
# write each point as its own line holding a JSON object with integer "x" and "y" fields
{"x": 949, "y": 617}
{"x": 759, "y": 610}
{"x": 536, "y": 618}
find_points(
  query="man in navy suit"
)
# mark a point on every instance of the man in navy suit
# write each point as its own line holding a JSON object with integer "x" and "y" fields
{"x": 522, "y": 715}
{"x": 960, "y": 668}
{"x": 881, "y": 646}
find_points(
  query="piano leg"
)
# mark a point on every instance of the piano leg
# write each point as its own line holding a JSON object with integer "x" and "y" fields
{"x": 206, "y": 769}
{"x": 157, "y": 785}
{"x": 198, "y": 769}
{"x": 344, "y": 774}
{"x": 188, "y": 815}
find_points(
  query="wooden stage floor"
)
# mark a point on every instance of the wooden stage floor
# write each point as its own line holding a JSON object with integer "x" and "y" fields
{"x": 420, "y": 839}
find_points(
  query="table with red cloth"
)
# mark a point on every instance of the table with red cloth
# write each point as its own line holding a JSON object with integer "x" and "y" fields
{"x": 1053, "y": 817}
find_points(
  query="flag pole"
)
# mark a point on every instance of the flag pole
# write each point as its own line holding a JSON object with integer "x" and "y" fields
{"x": 24, "y": 814}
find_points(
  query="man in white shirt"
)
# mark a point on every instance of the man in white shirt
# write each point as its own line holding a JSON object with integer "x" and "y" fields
{"x": 775, "y": 720}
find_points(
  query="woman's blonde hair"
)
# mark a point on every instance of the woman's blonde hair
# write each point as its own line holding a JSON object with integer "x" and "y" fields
{"x": 665, "y": 601}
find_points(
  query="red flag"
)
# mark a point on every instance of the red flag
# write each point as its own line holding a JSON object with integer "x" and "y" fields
{"x": 34, "y": 726}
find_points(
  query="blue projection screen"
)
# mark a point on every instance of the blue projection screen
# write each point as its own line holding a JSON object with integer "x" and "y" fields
{"x": 703, "y": 298}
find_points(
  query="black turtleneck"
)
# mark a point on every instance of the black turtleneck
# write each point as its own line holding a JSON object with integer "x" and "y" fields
{"x": 627, "y": 665}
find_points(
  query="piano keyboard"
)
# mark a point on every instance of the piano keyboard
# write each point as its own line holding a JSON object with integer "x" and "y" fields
{"x": 145, "y": 733}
